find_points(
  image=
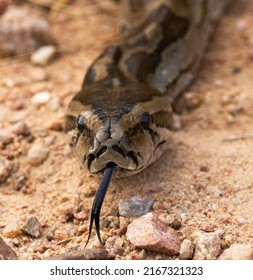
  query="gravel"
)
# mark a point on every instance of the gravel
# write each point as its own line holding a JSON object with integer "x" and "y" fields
{"x": 86, "y": 254}
{"x": 207, "y": 245}
{"x": 6, "y": 252}
{"x": 41, "y": 98}
{"x": 18, "y": 104}
{"x": 6, "y": 167}
{"x": 6, "y": 136}
{"x": 56, "y": 125}
{"x": 12, "y": 230}
{"x": 148, "y": 232}
{"x": 21, "y": 128}
{"x": 186, "y": 250}
{"x": 172, "y": 220}
{"x": 21, "y": 32}
{"x": 115, "y": 243}
{"x": 135, "y": 207}
{"x": 32, "y": 227}
{"x": 37, "y": 154}
{"x": 237, "y": 252}
{"x": 43, "y": 55}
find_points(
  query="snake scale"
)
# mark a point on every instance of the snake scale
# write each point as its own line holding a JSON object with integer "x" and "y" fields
{"x": 121, "y": 119}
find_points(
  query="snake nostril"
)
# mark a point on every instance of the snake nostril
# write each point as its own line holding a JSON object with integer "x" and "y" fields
{"x": 119, "y": 150}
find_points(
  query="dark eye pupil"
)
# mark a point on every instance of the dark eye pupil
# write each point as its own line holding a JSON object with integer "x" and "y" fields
{"x": 145, "y": 118}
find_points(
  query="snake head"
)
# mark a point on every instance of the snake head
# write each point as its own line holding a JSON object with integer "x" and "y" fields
{"x": 126, "y": 125}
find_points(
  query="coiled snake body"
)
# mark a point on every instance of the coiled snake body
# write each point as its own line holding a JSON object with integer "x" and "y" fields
{"x": 122, "y": 117}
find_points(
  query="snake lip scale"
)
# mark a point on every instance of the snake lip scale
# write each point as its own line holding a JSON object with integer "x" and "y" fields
{"x": 121, "y": 120}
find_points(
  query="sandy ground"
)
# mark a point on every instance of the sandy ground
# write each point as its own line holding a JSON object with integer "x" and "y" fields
{"x": 205, "y": 177}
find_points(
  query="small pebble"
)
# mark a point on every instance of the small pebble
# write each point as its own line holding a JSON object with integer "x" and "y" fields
{"x": 18, "y": 104}
{"x": 56, "y": 125}
{"x": 68, "y": 208}
{"x": 50, "y": 235}
{"x": 61, "y": 234}
{"x": 16, "y": 242}
{"x": 159, "y": 206}
{"x": 6, "y": 136}
{"x": 6, "y": 252}
{"x": 6, "y": 167}
{"x": 204, "y": 168}
{"x": 192, "y": 100}
{"x": 173, "y": 221}
{"x": 82, "y": 229}
{"x": 228, "y": 240}
{"x": 41, "y": 98}
{"x": 12, "y": 230}
{"x": 123, "y": 221}
{"x": 207, "y": 227}
{"x": 41, "y": 248}
{"x": 82, "y": 215}
{"x": 135, "y": 207}
{"x": 84, "y": 254}
{"x": 236, "y": 69}
{"x": 186, "y": 250}
{"x": 207, "y": 245}
{"x": 148, "y": 232}
{"x": 37, "y": 154}
{"x": 114, "y": 242}
{"x": 21, "y": 180}
{"x": 21, "y": 128}
{"x": 122, "y": 230}
{"x": 225, "y": 218}
{"x": 237, "y": 252}
{"x": 32, "y": 227}
{"x": 43, "y": 55}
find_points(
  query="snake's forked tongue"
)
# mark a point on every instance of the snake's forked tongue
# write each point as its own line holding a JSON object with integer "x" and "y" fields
{"x": 99, "y": 199}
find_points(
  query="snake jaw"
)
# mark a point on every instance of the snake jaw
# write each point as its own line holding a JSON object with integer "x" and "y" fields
{"x": 124, "y": 160}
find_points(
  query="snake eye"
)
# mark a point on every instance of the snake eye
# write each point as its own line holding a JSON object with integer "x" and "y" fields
{"x": 145, "y": 118}
{"x": 80, "y": 124}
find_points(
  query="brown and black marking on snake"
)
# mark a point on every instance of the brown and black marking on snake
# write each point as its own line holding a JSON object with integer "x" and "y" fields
{"x": 143, "y": 47}
{"x": 120, "y": 120}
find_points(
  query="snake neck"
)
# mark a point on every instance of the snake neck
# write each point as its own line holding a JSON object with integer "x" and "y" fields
{"x": 161, "y": 44}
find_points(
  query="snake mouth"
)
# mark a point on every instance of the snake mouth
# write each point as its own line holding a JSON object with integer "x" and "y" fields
{"x": 97, "y": 161}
